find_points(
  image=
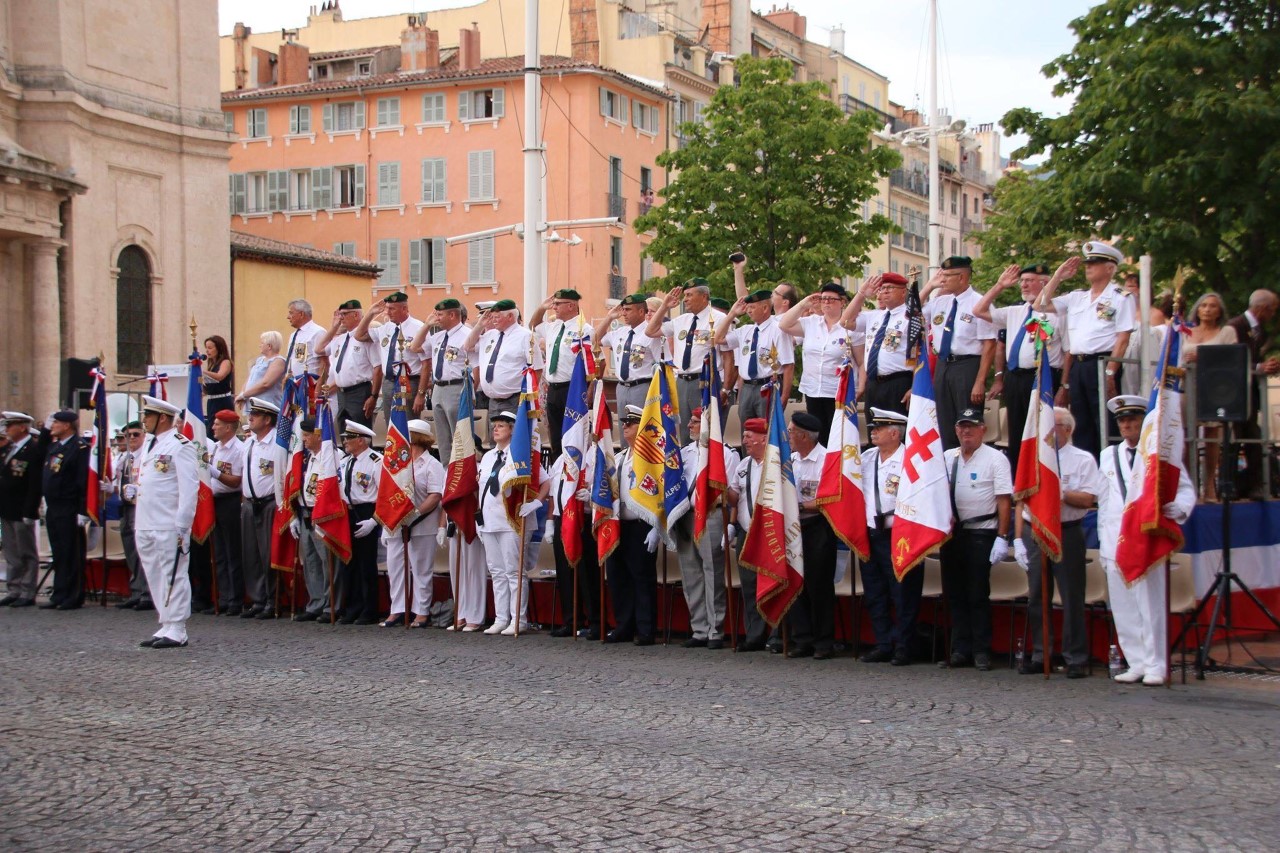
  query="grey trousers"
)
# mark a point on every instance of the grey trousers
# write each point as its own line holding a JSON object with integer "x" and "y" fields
{"x": 1069, "y": 576}
{"x": 633, "y": 395}
{"x": 702, "y": 571}
{"x": 255, "y": 538}
{"x": 757, "y": 629}
{"x": 751, "y": 403}
{"x": 445, "y": 400}
{"x": 314, "y": 572}
{"x": 502, "y": 404}
{"x": 138, "y": 588}
{"x": 689, "y": 392}
{"x": 21, "y": 557}
{"x": 388, "y": 397}
{"x": 351, "y": 404}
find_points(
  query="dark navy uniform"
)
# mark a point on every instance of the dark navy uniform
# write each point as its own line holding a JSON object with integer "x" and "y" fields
{"x": 20, "y": 482}
{"x": 66, "y": 478}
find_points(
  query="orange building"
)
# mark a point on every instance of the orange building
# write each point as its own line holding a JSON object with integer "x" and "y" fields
{"x": 383, "y": 153}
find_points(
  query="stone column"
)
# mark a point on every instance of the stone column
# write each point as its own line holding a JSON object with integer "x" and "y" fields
{"x": 46, "y": 324}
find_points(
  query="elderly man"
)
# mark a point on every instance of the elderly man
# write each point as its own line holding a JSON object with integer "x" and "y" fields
{"x": 358, "y": 476}
{"x": 633, "y": 352}
{"x": 257, "y": 509}
{"x": 633, "y": 566}
{"x": 689, "y": 341}
{"x": 1099, "y": 321}
{"x": 392, "y": 340}
{"x": 559, "y": 339}
{"x": 763, "y": 353}
{"x": 1080, "y": 483}
{"x": 226, "y": 476}
{"x": 19, "y": 509}
{"x": 812, "y": 617}
{"x": 446, "y": 356}
{"x": 1251, "y": 332}
{"x": 981, "y": 500}
{"x": 579, "y": 591}
{"x": 167, "y": 486}
{"x": 500, "y": 349}
{"x": 1139, "y": 611}
{"x": 126, "y": 485}
{"x": 304, "y": 356}
{"x": 66, "y": 479}
{"x": 888, "y": 376}
{"x": 311, "y": 550}
{"x": 351, "y": 366}
{"x": 744, "y": 485}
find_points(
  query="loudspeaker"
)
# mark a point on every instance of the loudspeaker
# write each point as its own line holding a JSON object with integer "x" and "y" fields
{"x": 1223, "y": 387}
{"x": 76, "y": 382}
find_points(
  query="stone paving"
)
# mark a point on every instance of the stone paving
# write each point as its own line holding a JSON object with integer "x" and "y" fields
{"x": 288, "y": 736}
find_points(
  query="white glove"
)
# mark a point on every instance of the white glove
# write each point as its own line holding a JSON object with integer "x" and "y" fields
{"x": 182, "y": 541}
{"x": 549, "y": 534}
{"x": 364, "y": 528}
{"x": 1020, "y": 554}
{"x": 440, "y": 537}
{"x": 1170, "y": 510}
{"x": 583, "y": 495}
{"x": 732, "y": 533}
{"x": 82, "y": 520}
{"x": 129, "y": 492}
{"x": 651, "y": 541}
{"x": 293, "y": 529}
{"x": 999, "y": 550}
{"x": 530, "y": 508}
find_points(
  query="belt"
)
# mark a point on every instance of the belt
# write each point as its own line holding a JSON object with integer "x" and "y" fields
{"x": 443, "y": 383}
{"x": 629, "y": 383}
{"x": 1067, "y": 524}
{"x": 883, "y": 376}
{"x": 954, "y": 358}
{"x": 355, "y": 385}
{"x": 1092, "y": 356}
{"x": 1023, "y": 371}
{"x": 760, "y": 381}
{"x": 219, "y": 396}
{"x": 258, "y": 503}
{"x": 696, "y": 375}
{"x": 559, "y": 384}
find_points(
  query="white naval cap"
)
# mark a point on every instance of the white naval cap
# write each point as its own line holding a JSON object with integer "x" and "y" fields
{"x": 1096, "y": 250}
{"x": 159, "y": 407}
{"x": 263, "y": 407}
{"x": 357, "y": 430}
{"x": 16, "y": 418}
{"x": 508, "y": 417}
{"x": 485, "y": 306}
{"x": 420, "y": 426}
{"x": 1125, "y": 405}
{"x": 633, "y": 413}
{"x": 886, "y": 416}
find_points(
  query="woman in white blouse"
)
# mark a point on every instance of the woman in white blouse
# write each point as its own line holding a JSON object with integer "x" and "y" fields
{"x": 826, "y": 345}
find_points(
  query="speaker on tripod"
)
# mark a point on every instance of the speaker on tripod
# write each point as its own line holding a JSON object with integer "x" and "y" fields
{"x": 1224, "y": 390}
{"x": 77, "y": 384}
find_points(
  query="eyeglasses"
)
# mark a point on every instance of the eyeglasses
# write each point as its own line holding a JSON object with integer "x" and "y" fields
{"x": 891, "y": 286}
{"x": 830, "y": 299}
{"x": 134, "y": 434}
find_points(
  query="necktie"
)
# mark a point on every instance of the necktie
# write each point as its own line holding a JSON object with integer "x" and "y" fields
{"x": 1017, "y": 341}
{"x": 944, "y": 350}
{"x": 351, "y": 465}
{"x": 492, "y": 485}
{"x": 1132, "y": 451}
{"x": 391, "y": 352}
{"x": 493, "y": 359}
{"x": 555, "y": 350}
{"x": 624, "y": 369}
{"x": 127, "y": 474}
{"x": 753, "y": 364}
{"x": 687, "y": 358}
{"x": 248, "y": 469}
{"x": 444, "y": 345}
{"x": 873, "y": 360}
{"x": 342, "y": 353}
{"x": 293, "y": 339}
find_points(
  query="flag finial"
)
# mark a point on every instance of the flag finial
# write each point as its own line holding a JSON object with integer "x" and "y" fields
{"x": 193, "y": 328}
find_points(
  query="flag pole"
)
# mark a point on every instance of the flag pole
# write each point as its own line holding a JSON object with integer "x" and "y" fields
{"x": 520, "y": 576}
{"x": 1044, "y": 610}
{"x": 293, "y": 581}
{"x": 102, "y": 511}
{"x": 213, "y": 573}
{"x": 333, "y": 605}
{"x": 404, "y": 540}
{"x": 1168, "y": 648}
{"x": 728, "y": 576}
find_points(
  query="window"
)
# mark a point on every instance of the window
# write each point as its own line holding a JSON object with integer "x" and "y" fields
{"x": 433, "y": 109}
{"x": 238, "y": 193}
{"x": 480, "y": 177}
{"x": 644, "y": 117}
{"x": 348, "y": 186}
{"x": 480, "y": 260}
{"x": 426, "y": 261}
{"x": 615, "y": 176}
{"x": 300, "y": 189}
{"x": 229, "y": 122}
{"x": 844, "y": 84}
{"x": 344, "y": 116}
{"x": 299, "y": 119}
{"x": 256, "y": 187}
{"x": 345, "y": 249}
{"x": 481, "y": 104}
{"x": 388, "y": 112}
{"x": 389, "y": 260}
{"x": 876, "y": 99}
{"x": 133, "y": 311}
{"x": 322, "y": 188}
{"x": 615, "y": 255}
{"x": 257, "y": 123}
{"x": 975, "y": 205}
{"x": 953, "y": 245}
{"x": 322, "y": 72}
{"x": 646, "y": 179}
{"x": 277, "y": 190}
{"x": 862, "y": 96}
{"x": 954, "y": 195}
{"x": 613, "y": 105}
{"x": 365, "y": 68}
{"x": 434, "y": 188}
{"x": 894, "y": 266}
{"x": 388, "y": 183}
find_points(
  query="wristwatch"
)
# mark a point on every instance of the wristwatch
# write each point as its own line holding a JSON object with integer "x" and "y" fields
{"x": 1110, "y": 372}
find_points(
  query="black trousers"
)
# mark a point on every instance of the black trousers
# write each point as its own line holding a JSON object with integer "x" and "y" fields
{"x": 824, "y": 409}
{"x": 952, "y": 387}
{"x": 966, "y": 578}
{"x": 588, "y": 573}
{"x": 351, "y": 405}
{"x": 226, "y": 550}
{"x": 200, "y": 572}
{"x": 633, "y": 582}
{"x": 1084, "y": 407}
{"x": 360, "y": 576}
{"x": 66, "y": 540}
{"x": 557, "y": 397}
{"x": 882, "y": 590}
{"x": 1018, "y": 385}
{"x": 886, "y": 392}
{"x": 1249, "y": 481}
{"x": 813, "y": 615}
{"x": 757, "y": 630}
{"x": 1069, "y": 576}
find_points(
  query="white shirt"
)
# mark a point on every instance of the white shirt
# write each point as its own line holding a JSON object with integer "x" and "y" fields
{"x": 310, "y": 481}
{"x": 969, "y": 331}
{"x": 493, "y": 507}
{"x": 568, "y": 333}
{"x": 746, "y": 482}
{"x": 445, "y": 354}
{"x": 807, "y": 470}
{"x": 881, "y": 478}
{"x": 358, "y": 477}
{"x": 893, "y": 349}
{"x": 357, "y": 362}
{"x": 645, "y": 352}
{"x": 825, "y": 349}
{"x": 1111, "y": 499}
{"x": 428, "y": 479}
{"x": 303, "y": 351}
{"x": 562, "y": 490}
{"x": 703, "y": 325}
{"x": 689, "y": 458}
{"x": 167, "y": 484}
{"x": 774, "y": 349}
{"x": 511, "y": 358}
{"x": 259, "y": 466}
{"x": 1012, "y": 319}
{"x": 226, "y": 458}
{"x": 382, "y": 336}
{"x": 976, "y": 484}
{"x": 1095, "y": 323}
{"x": 1078, "y": 473}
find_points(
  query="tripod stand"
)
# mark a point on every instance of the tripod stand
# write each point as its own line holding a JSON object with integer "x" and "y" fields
{"x": 1225, "y": 579}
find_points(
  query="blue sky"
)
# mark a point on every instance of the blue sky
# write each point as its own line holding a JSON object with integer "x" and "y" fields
{"x": 993, "y": 49}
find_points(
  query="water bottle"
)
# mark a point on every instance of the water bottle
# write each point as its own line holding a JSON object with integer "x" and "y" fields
{"x": 1019, "y": 650}
{"x": 1113, "y": 661}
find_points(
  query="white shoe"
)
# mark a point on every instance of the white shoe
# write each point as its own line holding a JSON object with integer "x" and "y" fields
{"x": 470, "y": 629}
{"x": 451, "y": 628}
{"x": 1129, "y": 676}
{"x": 496, "y": 628}
{"x": 1152, "y": 679}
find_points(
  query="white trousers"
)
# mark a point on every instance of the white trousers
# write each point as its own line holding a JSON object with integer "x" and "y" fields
{"x": 1142, "y": 622}
{"x": 422, "y": 555}
{"x": 156, "y": 551}
{"x": 502, "y": 556}
{"x": 467, "y": 574}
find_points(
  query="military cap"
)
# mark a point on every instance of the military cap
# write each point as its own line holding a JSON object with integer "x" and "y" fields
{"x": 632, "y": 415}
{"x": 720, "y": 303}
{"x": 635, "y": 299}
{"x": 806, "y": 421}
{"x": 398, "y": 296}
{"x": 352, "y": 305}
{"x": 756, "y": 425}
{"x": 160, "y": 407}
{"x": 958, "y": 262}
{"x": 1038, "y": 268}
{"x": 449, "y": 304}
{"x": 887, "y": 417}
{"x": 696, "y": 281}
{"x": 758, "y": 296}
{"x": 1127, "y": 405}
{"x": 354, "y": 429}
{"x": 66, "y": 416}
{"x": 259, "y": 406}
{"x": 893, "y": 278}
{"x": 567, "y": 293}
{"x": 16, "y": 418}
{"x": 970, "y": 415}
{"x": 485, "y": 306}
{"x": 836, "y": 288}
{"x": 504, "y": 417}
{"x": 227, "y": 416}
{"x": 504, "y": 305}
{"x": 308, "y": 425}
{"x": 1096, "y": 251}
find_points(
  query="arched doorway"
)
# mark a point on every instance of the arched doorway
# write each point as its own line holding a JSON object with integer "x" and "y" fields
{"x": 133, "y": 311}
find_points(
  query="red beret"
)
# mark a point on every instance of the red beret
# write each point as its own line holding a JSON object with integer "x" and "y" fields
{"x": 893, "y": 278}
{"x": 696, "y": 413}
{"x": 227, "y": 416}
{"x": 756, "y": 425}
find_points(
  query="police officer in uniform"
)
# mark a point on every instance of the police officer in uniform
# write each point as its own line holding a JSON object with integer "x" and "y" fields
{"x": 127, "y": 471}
{"x": 358, "y": 478}
{"x": 634, "y": 354}
{"x": 66, "y": 478}
{"x": 964, "y": 343}
{"x": 19, "y": 509}
{"x": 168, "y": 484}
{"x": 257, "y": 509}
{"x": 888, "y": 376}
{"x": 351, "y": 366}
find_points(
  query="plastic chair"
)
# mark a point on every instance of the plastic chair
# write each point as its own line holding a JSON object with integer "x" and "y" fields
{"x": 1009, "y": 585}
{"x": 934, "y": 593}
{"x": 669, "y": 578}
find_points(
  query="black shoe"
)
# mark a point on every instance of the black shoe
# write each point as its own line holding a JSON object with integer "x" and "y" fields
{"x": 267, "y": 613}
{"x": 305, "y": 616}
{"x": 232, "y": 611}
{"x": 250, "y": 612}
{"x": 127, "y": 604}
{"x": 823, "y": 654}
{"x": 800, "y": 652}
{"x": 590, "y": 634}
{"x": 207, "y": 611}
{"x": 877, "y": 655}
{"x": 1077, "y": 670}
{"x": 48, "y": 605}
{"x": 324, "y": 619}
{"x": 7, "y": 600}
{"x": 774, "y": 647}
{"x": 68, "y": 606}
{"x": 166, "y": 643}
{"x": 617, "y": 637}
{"x": 956, "y": 661}
{"x": 751, "y": 647}
{"x": 643, "y": 641}
{"x": 694, "y": 643}
{"x": 901, "y": 658}
{"x": 149, "y": 642}
{"x": 1027, "y": 666}
{"x": 982, "y": 662}
{"x": 144, "y": 605}
{"x": 346, "y": 620}
{"x": 367, "y": 620}
{"x": 562, "y": 632}
{"x": 715, "y": 645}
{"x": 395, "y": 620}
{"x": 23, "y": 602}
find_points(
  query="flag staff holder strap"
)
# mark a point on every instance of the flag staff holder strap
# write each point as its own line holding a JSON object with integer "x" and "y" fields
{"x": 1223, "y": 581}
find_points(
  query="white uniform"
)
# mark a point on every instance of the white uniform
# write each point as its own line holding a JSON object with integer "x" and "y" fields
{"x": 690, "y": 340}
{"x": 880, "y": 486}
{"x": 825, "y": 349}
{"x": 501, "y": 542}
{"x": 226, "y": 458}
{"x": 303, "y": 352}
{"x": 501, "y": 358}
{"x": 445, "y": 351}
{"x": 428, "y": 479}
{"x": 968, "y": 331}
{"x": 634, "y": 354}
{"x": 893, "y": 346}
{"x": 351, "y": 362}
{"x": 167, "y": 489}
{"x": 1012, "y": 320}
{"x": 388, "y": 337}
{"x": 773, "y": 349}
{"x": 558, "y": 337}
{"x": 977, "y": 482}
{"x": 1094, "y": 323}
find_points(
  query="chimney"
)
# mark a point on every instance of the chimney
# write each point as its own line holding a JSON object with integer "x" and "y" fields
{"x": 240, "y": 38}
{"x": 584, "y": 31}
{"x": 717, "y": 24}
{"x": 419, "y": 47}
{"x": 293, "y": 67}
{"x": 837, "y": 38}
{"x": 469, "y": 48}
{"x": 789, "y": 19}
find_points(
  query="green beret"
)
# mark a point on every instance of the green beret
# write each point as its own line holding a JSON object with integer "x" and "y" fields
{"x": 957, "y": 262}
{"x": 758, "y": 296}
{"x": 696, "y": 282}
{"x": 1037, "y": 268}
{"x": 635, "y": 299}
{"x": 350, "y": 305}
{"x": 720, "y": 303}
{"x": 133, "y": 425}
{"x": 504, "y": 305}
{"x": 567, "y": 293}
{"x": 449, "y": 304}
{"x": 398, "y": 296}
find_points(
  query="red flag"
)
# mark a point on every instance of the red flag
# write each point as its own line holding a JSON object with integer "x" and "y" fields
{"x": 394, "y": 505}
{"x": 712, "y": 478}
{"x": 1037, "y": 480}
{"x": 99, "y": 455}
{"x": 604, "y": 482}
{"x": 462, "y": 484}
{"x": 329, "y": 515}
{"x": 284, "y": 548}
{"x": 840, "y": 490}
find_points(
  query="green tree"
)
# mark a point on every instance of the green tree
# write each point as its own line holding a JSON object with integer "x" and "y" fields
{"x": 777, "y": 171}
{"x": 1173, "y": 140}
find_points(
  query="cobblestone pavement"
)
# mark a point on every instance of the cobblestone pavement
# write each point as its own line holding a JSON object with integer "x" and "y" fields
{"x": 281, "y": 736}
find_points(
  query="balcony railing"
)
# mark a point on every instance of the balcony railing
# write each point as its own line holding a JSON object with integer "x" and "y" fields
{"x": 911, "y": 180}
{"x": 852, "y": 105}
{"x": 617, "y": 286}
{"x": 968, "y": 226}
{"x": 617, "y": 206}
{"x": 644, "y": 207}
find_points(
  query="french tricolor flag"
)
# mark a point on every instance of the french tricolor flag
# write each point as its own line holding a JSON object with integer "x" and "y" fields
{"x": 99, "y": 456}
{"x": 922, "y": 519}
{"x": 840, "y": 490}
{"x": 1037, "y": 482}
{"x": 194, "y": 430}
{"x": 329, "y": 515}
